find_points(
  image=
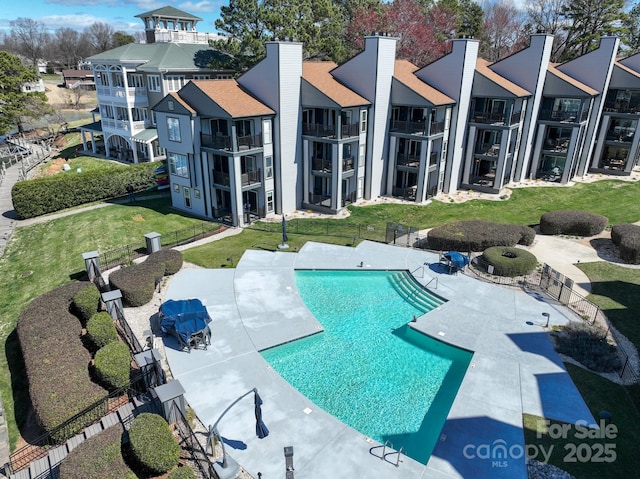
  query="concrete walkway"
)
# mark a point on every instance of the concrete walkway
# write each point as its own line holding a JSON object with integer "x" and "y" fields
{"x": 514, "y": 369}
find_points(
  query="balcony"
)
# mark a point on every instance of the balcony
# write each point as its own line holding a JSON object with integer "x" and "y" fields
{"x": 221, "y": 179}
{"x": 219, "y": 142}
{"x": 139, "y": 93}
{"x": 488, "y": 149}
{"x": 251, "y": 177}
{"x": 569, "y": 116}
{"x": 249, "y": 142}
{"x": 349, "y": 199}
{"x": 408, "y": 193}
{"x": 321, "y": 165}
{"x": 412, "y": 161}
{"x": 319, "y": 130}
{"x": 350, "y": 130}
{"x": 622, "y": 107}
{"x": 347, "y": 164}
{"x": 409, "y": 127}
{"x": 436, "y": 127}
{"x": 320, "y": 200}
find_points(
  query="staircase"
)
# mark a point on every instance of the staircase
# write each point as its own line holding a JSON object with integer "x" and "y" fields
{"x": 414, "y": 293}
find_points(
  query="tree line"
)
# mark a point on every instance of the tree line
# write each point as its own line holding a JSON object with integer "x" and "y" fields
{"x": 334, "y": 30}
{"x": 65, "y": 47}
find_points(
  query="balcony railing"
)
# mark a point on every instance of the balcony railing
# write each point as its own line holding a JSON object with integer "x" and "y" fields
{"x": 319, "y": 130}
{"x": 436, "y": 127}
{"x": 220, "y": 178}
{"x": 569, "y": 116}
{"x": 349, "y": 198}
{"x": 488, "y": 149}
{"x": 219, "y": 142}
{"x": 320, "y": 164}
{"x": 249, "y": 142}
{"x": 623, "y": 107}
{"x": 408, "y": 160}
{"x": 350, "y": 130}
{"x": 251, "y": 177}
{"x": 347, "y": 164}
{"x": 408, "y": 193}
{"x": 320, "y": 200}
{"x": 409, "y": 127}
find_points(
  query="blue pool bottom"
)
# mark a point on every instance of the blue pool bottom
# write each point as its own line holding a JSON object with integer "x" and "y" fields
{"x": 369, "y": 368}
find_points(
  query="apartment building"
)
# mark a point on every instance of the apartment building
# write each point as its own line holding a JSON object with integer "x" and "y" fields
{"x": 290, "y": 134}
{"x": 132, "y": 78}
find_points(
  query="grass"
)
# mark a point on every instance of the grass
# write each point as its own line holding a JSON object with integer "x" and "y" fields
{"x": 600, "y": 395}
{"x": 85, "y": 163}
{"x": 43, "y": 256}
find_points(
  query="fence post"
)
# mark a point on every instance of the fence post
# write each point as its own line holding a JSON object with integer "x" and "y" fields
{"x": 113, "y": 302}
{"x": 153, "y": 242}
{"x": 168, "y": 394}
{"x": 91, "y": 264}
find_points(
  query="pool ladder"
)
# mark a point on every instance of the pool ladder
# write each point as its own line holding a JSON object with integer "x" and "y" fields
{"x": 389, "y": 444}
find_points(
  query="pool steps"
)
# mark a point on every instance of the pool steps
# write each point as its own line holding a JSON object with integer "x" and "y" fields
{"x": 414, "y": 293}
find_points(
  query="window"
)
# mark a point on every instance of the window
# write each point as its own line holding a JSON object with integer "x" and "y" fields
{"x": 363, "y": 121}
{"x": 135, "y": 80}
{"x": 139, "y": 114}
{"x": 268, "y": 167}
{"x": 173, "y": 129}
{"x": 154, "y": 82}
{"x": 361, "y": 151}
{"x": 269, "y": 201}
{"x": 266, "y": 131}
{"x": 175, "y": 82}
{"x": 176, "y": 187}
{"x": 186, "y": 191}
{"x": 201, "y": 77}
{"x": 178, "y": 165}
{"x": 196, "y": 193}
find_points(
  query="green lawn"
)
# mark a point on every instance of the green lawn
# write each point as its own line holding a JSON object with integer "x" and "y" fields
{"x": 43, "y": 256}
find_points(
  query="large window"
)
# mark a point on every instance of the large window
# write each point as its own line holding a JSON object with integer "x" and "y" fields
{"x": 269, "y": 201}
{"x": 135, "y": 80}
{"x": 363, "y": 121}
{"x": 268, "y": 167}
{"x": 266, "y": 131}
{"x": 173, "y": 129}
{"x": 178, "y": 165}
{"x": 154, "y": 82}
{"x": 175, "y": 82}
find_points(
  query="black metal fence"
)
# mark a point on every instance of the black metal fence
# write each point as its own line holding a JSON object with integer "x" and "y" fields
{"x": 128, "y": 253}
{"x": 191, "y": 445}
{"x": 39, "y": 447}
{"x": 325, "y": 227}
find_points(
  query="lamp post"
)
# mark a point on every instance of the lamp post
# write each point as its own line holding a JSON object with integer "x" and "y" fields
{"x": 228, "y": 467}
{"x": 546, "y": 315}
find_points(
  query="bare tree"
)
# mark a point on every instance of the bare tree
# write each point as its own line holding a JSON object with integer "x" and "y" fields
{"x": 503, "y": 30}
{"x": 547, "y": 16}
{"x": 101, "y": 36}
{"x": 69, "y": 47}
{"x": 29, "y": 38}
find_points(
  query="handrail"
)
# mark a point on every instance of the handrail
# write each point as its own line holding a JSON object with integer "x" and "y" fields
{"x": 430, "y": 281}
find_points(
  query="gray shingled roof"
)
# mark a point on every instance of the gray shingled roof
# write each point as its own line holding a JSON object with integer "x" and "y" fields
{"x": 153, "y": 57}
{"x": 168, "y": 12}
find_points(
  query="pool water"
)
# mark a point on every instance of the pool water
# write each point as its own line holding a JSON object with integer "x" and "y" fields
{"x": 368, "y": 368}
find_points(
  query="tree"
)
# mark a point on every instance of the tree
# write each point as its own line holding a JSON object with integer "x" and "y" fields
{"x": 69, "y": 47}
{"x": 29, "y": 38}
{"x": 121, "y": 38}
{"x": 242, "y": 21}
{"x": 503, "y": 31}
{"x": 588, "y": 21}
{"x": 362, "y": 21}
{"x": 468, "y": 16}
{"x": 100, "y": 36}
{"x": 14, "y": 103}
{"x": 546, "y": 16}
{"x": 631, "y": 42}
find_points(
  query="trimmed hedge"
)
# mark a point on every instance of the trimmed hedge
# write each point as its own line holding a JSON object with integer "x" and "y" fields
{"x": 182, "y": 473}
{"x": 99, "y": 457}
{"x": 101, "y": 330}
{"x": 56, "y": 360}
{"x": 152, "y": 443}
{"x": 87, "y": 302}
{"x": 588, "y": 345}
{"x": 572, "y": 222}
{"x": 478, "y": 235}
{"x": 54, "y": 193}
{"x": 137, "y": 283}
{"x": 172, "y": 259}
{"x": 627, "y": 238}
{"x": 508, "y": 261}
{"x": 113, "y": 365}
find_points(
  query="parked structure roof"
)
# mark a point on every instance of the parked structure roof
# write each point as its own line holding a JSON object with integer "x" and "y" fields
{"x": 232, "y": 98}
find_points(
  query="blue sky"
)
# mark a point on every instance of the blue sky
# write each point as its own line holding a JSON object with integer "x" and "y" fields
{"x": 79, "y": 14}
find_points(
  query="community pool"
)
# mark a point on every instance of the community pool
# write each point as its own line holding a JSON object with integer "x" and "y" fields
{"x": 369, "y": 368}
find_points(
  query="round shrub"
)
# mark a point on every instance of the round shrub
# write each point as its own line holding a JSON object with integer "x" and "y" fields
{"x": 478, "y": 235}
{"x": 624, "y": 230}
{"x": 99, "y": 457}
{"x": 86, "y": 302}
{"x": 508, "y": 261}
{"x": 171, "y": 258}
{"x": 630, "y": 249}
{"x": 137, "y": 282}
{"x": 152, "y": 443}
{"x": 182, "y": 473}
{"x": 572, "y": 222}
{"x": 113, "y": 365}
{"x": 101, "y": 330}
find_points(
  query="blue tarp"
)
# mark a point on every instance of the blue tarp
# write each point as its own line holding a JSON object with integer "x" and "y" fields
{"x": 186, "y": 319}
{"x": 456, "y": 260}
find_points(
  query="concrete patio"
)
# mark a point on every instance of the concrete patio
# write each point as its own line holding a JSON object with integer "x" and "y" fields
{"x": 514, "y": 369}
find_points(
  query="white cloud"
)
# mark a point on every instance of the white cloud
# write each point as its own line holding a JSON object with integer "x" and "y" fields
{"x": 199, "y": 7}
